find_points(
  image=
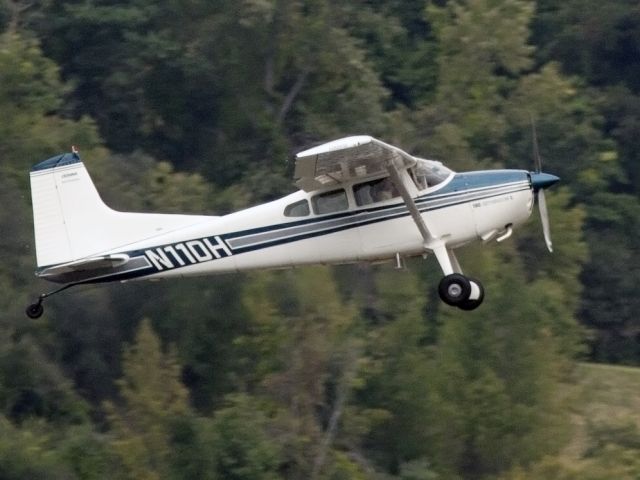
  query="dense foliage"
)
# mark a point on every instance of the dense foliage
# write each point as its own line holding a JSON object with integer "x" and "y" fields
{"x": 322, "y": 373}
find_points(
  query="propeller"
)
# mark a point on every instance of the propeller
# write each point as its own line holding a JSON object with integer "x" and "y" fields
{"x": 540, "y": 181}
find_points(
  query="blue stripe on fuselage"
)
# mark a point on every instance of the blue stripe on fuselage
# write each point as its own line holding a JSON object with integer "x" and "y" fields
{"x": 481, "y": 179}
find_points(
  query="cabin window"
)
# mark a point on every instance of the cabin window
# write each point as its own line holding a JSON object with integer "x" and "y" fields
{"x": 297, "y": 209}
{"x": 329, "y": 202}
{"x": 375, "y": 191}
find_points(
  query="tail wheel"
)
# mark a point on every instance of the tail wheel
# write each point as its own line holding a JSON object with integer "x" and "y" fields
{"x": 34, "y": 310}
{"x": 475, "y": 298}
{"x": 454, "y": 289}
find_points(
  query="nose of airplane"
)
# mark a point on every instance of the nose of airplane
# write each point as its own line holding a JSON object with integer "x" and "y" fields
{"x": 542, "y": 180}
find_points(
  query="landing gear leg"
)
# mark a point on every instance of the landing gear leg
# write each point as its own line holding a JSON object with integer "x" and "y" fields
{"x": 36, "y": 309}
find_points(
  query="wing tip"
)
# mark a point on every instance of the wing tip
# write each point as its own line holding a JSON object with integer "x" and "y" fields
{"x": 338, "y": 144}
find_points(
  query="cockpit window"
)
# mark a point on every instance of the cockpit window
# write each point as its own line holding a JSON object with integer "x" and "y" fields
{"x": 297, "y": 209}
{"x": 429, "y": 173}
{"x": 329, "y": 202}
{"x": 374, "y": 191}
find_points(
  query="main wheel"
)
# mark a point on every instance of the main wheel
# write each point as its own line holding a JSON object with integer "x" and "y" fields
{"x": 475, "y": 298}
{"x": 454, "y": 289}
{"x": 34, "y": 310}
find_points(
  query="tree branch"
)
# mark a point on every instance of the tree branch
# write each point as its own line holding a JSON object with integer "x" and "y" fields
{"x": 293, "y": 93}
{"x": 342, "y": 394}
{"x": 15, "y": 9}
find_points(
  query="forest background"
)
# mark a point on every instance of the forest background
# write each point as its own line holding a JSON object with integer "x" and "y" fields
{"x": 348, "y": 372}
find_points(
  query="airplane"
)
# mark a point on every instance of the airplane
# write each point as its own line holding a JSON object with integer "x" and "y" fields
{"x": 359, "y": 199}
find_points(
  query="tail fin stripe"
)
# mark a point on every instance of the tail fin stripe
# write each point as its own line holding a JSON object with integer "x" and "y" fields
{"x": 57, "y": 161}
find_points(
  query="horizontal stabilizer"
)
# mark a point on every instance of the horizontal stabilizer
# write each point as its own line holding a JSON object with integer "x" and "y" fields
{"x": 86, "y": 265}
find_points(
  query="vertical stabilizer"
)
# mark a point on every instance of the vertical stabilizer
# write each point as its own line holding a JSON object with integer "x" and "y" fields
{"x": 72, "y": 222}
{"x": 58, "y": 185}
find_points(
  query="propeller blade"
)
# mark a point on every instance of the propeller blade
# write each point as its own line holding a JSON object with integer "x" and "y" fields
{"x": 540, "y": 181}
{"x": 544, "y": 217}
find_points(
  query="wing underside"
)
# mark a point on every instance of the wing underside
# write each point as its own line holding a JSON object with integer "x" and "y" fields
{"x": 346, "y": 159}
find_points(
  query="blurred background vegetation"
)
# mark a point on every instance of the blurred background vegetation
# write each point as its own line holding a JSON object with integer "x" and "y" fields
{"x": 352, "y": 372}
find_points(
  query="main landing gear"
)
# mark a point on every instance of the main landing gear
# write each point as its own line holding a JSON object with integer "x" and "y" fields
{"x": 35, "y": 310}
{"x": 460, "y": 291}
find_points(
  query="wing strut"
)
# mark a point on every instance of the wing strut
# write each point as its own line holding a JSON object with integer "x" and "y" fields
{"x": 446, "y": 257}
{"x": 408, "y": 200}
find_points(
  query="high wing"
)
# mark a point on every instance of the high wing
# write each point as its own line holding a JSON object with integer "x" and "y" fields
{"x": 346, "y": 159}
{"x": 357, "y": 157}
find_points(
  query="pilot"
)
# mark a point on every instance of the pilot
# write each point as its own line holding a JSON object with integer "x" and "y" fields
{"x": 383, "y": 190}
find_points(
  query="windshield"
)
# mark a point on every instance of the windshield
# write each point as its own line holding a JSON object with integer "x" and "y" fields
{"x": 430, "y": 172}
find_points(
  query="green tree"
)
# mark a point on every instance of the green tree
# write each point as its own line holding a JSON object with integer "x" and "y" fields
{"x": 609, "y": 38}
{"x": 482, "y": 47}
{"x": 497, "y": 372}
{"x": 31, "y": 92}
{"x": 399, "y": 42}
{"x": 608, "y": 304}
{"x": 394, "y": 386}
{"x": 152, "y": 396}
{"x": 87, "y": 453}
{"x": 27, "y": 453}
{"x": 609, "y": 35}
{"x": 244, "y": 447}
{"x": 302, "y": 343}
{"x": 203, "y": 319}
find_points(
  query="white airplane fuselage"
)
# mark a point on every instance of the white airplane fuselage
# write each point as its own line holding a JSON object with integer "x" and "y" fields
{"x": 360, "y": 200}
{"x": 463, "y": 208}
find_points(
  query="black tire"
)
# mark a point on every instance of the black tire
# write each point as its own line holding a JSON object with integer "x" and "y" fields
{"x": 34, "y": 310}
{"x": 454, "y": 289}
{"x": 472, "y": 304}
